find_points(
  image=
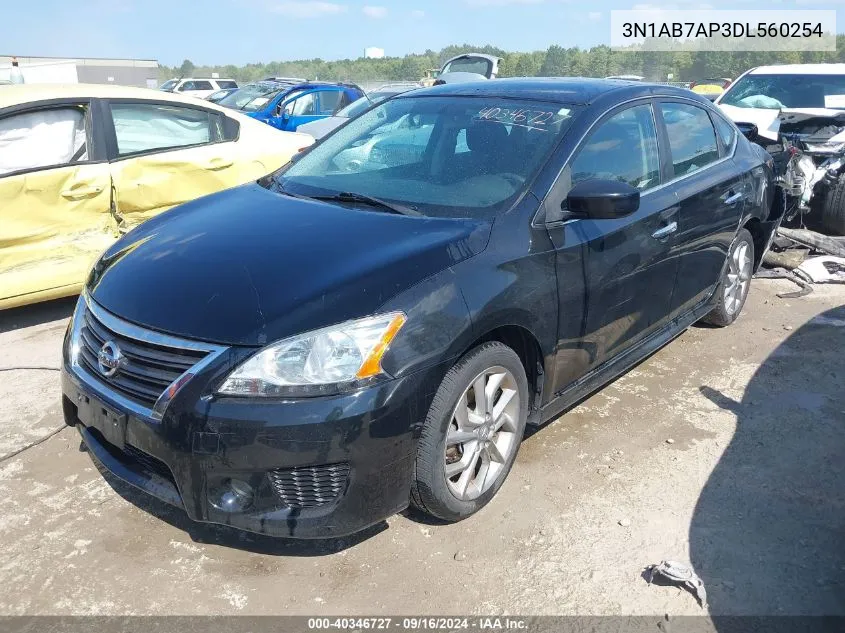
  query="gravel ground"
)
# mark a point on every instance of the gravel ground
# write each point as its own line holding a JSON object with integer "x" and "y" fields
{"x": 724, "y": 450}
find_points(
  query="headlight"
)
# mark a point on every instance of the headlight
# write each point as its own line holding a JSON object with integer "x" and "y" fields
{"x": 316, "y": 363}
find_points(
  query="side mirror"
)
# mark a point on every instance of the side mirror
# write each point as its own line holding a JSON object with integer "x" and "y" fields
{"x": 602, "y": 200}
{"x": 749, "y": 131}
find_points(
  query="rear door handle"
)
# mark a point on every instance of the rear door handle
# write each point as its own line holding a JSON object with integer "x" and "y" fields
{"x": 732, "y": 198}
{"x": 75, "y": 193}
{"x": 665, "y": 231}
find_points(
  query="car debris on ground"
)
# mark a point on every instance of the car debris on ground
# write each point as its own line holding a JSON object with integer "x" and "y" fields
{"x": 792, "y": 258}
{"x": 681, "y": 575}
{"x": 817, "y": 241}
{"x": 823, "y": 270}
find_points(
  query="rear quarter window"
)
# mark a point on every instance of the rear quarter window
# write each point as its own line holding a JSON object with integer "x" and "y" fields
{"x": 727, "y": 133}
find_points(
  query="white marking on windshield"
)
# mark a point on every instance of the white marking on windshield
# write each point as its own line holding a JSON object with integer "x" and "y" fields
{"x": 520, "y": 117}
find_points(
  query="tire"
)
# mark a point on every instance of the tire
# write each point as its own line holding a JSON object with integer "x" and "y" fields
{"x": 833, "y": 209}
{"x": 480, "y": 464}
{"x": 740, "y": 269}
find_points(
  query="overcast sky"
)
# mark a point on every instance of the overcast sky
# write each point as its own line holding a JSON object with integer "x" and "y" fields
{"x": 241, "y": 31}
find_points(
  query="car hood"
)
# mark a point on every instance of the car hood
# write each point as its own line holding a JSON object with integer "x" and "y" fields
{"x": 248, "y": 266}
{"x": 769, "y": 121}
{"x": 318, "y": 129}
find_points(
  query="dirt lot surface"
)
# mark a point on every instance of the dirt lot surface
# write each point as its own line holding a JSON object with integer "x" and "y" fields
{"x": 725, "y": 450}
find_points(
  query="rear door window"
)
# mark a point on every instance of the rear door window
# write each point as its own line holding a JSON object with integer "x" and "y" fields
{"x": 623, "y": 148}
{"x": 203, "y": 85}
{"x": 43, "y": 138}
{"x": 145, "y": 127}
{"x": 692, "y": 139}
{"x": 330, "y": 101}
{"x": 223, "y": 83}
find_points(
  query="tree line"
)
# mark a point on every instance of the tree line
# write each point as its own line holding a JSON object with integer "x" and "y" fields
{"x": 556, "y": 61}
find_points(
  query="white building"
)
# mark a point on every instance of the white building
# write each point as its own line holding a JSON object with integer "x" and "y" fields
{"x": 371, "y": 52}
{"x": 124, "y": 72}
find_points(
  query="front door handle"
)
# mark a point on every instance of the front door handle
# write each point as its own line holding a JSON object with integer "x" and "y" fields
{"x": 665, "y": 231}
{"x": 732, "y": 198}
{"x": 77, "y": 193}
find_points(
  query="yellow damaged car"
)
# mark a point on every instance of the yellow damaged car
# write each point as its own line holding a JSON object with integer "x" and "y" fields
{"x": 81, "y": 164}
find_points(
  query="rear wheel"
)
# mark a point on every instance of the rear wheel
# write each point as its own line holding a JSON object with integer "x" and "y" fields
{"x": 833, "y": 209}
{"x": 472, "y": 433}
{"x": 734, "y": 287}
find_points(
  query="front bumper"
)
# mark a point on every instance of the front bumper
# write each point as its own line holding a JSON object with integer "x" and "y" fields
{"x": 365, "y": 438}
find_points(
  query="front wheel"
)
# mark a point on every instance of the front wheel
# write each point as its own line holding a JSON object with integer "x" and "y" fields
{"x": 736, "y": 282}
{"x": 472, "y": 433}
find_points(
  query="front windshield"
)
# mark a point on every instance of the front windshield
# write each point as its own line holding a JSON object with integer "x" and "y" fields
{"x": 251, "y": 97}
{"x": 477, "y": 65}
{"x": 775, "y": 92}
{"x": 168, "y": 85}
{"x": 441, "y": 156}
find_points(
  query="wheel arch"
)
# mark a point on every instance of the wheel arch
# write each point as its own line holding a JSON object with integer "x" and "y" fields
{"x": 760, "y": 236}
{"x": 526, "y": 345}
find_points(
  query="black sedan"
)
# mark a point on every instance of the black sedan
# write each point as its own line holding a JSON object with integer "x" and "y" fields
{"x": 307, "y": 355}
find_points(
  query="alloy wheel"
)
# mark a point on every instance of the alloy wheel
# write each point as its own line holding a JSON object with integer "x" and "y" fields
{"x": 739, "y": 277}
{"x": 482, "y": 435}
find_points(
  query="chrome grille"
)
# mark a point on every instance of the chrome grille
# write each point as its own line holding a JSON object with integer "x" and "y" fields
{"x": 309, "y": 486}
{"x": 148, "y": 368}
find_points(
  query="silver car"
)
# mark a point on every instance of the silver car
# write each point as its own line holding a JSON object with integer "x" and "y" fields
{"x": 318, "y": 129}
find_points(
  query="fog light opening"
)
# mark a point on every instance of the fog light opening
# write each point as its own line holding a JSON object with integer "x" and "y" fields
{"x": 232, "y": 495}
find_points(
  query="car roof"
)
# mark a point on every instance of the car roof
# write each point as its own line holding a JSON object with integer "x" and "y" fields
{"x": 569, "y": 90}
{"x": 800, "y": 69}
{"x": 19, "y": 94}
{"x": 200, "y": 79}
{"x": 304, "y": 85}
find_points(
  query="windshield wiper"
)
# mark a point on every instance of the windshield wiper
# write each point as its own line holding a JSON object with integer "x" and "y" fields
{"x": 349, "y": 196}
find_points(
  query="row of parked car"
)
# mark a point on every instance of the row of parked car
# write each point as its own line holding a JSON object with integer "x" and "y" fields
{"x": 288, "y": 103}
{"x": 81, "y": 165}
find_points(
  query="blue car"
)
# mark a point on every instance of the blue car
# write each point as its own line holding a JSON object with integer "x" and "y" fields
{"x": 287, "y": 105}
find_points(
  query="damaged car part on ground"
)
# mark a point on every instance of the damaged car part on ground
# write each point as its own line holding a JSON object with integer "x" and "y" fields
{"x": 798, "y": 116}
{"x": 678, "y": 574}
{"x": 790, "y": 258}
{"x": 348, "y": 343}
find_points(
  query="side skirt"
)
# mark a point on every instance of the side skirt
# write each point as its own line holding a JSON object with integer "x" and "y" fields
{"x": 615, "y": 367}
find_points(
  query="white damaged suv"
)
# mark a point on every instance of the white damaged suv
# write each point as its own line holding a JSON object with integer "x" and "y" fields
{"x": 798, "y": 114}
